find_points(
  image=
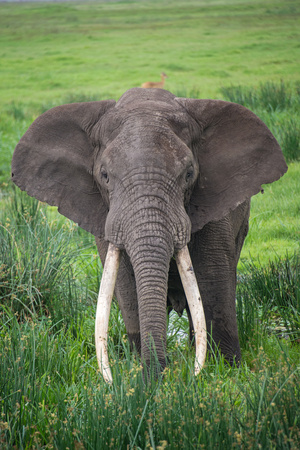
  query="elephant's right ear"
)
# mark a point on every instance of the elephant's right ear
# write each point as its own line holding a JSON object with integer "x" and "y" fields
{"x": 53, "y": 162}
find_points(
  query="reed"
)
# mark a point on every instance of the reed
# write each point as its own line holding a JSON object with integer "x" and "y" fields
{"x": 52, "y": 395}
{"x": 37, "y": 260}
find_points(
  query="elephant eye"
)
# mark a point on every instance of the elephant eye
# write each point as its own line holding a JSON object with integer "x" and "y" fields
{"x": 104, "y": 175}
{"x": 189, "y": 174}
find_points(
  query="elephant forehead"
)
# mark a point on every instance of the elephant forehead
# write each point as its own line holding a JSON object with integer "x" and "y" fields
{"x": 143, "y": 116}
{"x": 148, "y": 146}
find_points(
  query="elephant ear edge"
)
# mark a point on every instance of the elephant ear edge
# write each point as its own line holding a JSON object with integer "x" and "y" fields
{"x": 53, "y": 162}
{"x": 236, "y": 153}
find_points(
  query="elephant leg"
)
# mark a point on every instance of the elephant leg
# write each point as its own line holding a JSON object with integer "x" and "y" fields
{"x": 240, "y": 226}
{"x": 215, "y": 252}
{"x": 125, "y": 292}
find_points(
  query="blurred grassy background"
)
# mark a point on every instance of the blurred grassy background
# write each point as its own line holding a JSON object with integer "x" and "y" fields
{"x": 105, "y": 48}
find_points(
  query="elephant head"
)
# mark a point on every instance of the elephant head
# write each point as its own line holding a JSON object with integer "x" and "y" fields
{"x": 144, "y": 174}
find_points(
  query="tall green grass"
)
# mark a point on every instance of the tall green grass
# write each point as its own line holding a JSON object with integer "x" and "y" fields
{"x": 53, "y": 397}
{"x": 269, "y": 96}
{"x": 38, "y": 274}
{"x": 269, "y": 297}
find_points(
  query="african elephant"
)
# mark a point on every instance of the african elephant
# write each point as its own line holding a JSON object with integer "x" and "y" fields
{"x": 150, "y": 176}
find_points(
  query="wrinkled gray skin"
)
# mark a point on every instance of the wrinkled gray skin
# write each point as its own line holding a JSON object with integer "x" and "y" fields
{"x": 151, "y": 173}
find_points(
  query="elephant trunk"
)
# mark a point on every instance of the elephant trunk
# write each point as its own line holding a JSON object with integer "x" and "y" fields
{"x": 150, "y": 258}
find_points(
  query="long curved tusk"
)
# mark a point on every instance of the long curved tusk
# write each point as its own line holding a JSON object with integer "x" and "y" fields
{"x": 193, "y": 296}
{"x": 106, "y": 291}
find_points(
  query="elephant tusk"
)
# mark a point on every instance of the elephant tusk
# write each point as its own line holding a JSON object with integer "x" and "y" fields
{"x": 193, "y": 296}
{"x": 106, "y": 291}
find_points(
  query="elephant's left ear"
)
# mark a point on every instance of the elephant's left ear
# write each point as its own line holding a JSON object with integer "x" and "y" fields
{"x": 236, "y": 153}
{"x": 54, "y": 160}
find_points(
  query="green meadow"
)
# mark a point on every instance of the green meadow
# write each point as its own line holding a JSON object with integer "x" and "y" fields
{"x": 51, "y": 393}
{"x": 106, "y": 47}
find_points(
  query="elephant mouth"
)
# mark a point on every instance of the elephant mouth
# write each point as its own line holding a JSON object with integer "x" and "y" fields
{"x": 106, "y": 291}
